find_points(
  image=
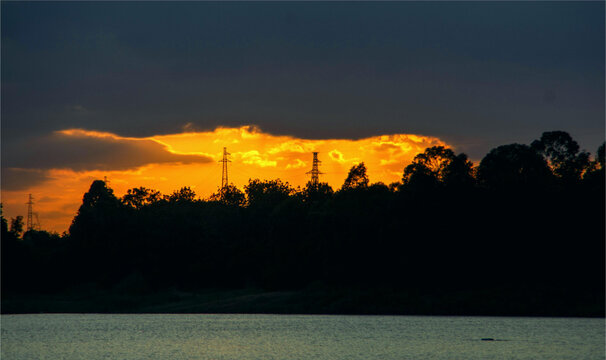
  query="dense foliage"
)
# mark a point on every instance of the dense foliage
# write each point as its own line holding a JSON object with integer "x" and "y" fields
{"x": 528, "y": 217}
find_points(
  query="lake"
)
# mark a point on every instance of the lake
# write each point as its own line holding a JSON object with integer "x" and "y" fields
{"x": 239, "y": 337}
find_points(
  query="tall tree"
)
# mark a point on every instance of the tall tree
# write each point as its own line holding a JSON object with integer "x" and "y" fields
{"x": 17, "y": 226}
{"x": 3, "y": 222}
{"x": 459, "y": 172}
{"x": 513, "y": 166}
{"x": 316, "y": 192}
{"x": 185, "y": 194}
{"x": 438, "y": 165}
{"x": 229, "y": 195}
{"x": 600, "y": 156}
{"x": 594, "y": 177}
{"x": 100, "y": 234}
{"x": 356, "y": 178}
{"x": 267, "y": 193}
{"x": 563, "y": 155}
{"x": 140, "y": 197}
{"x": 98, "y": 211}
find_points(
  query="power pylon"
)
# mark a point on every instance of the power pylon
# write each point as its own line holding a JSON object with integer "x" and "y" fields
{"x": 315, "y": 172}
{"x": 30, "y": 213}
{"x": 225, "y": 160}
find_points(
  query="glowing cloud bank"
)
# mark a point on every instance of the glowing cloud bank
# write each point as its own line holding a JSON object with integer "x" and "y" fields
{"x": 168, "y": 162}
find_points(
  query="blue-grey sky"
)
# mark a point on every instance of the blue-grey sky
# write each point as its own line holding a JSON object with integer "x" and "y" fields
{"x": 476, "y": 74}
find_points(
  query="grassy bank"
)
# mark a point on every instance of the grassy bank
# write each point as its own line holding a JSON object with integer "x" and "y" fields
{"x": 496, "y": 302}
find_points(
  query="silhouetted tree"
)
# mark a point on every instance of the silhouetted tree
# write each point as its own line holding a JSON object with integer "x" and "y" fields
{"x": 96, "y": 216}
{"x": 185, "y": 194}
{"x": 41, "y": 238}
{"x": 379, "y": 187}
{"x": 600, "y": 156}
{"x": 418, "y": 176}
{"x": 100, "y": 232}
{"x": 438, "y": 166}
{"x": 473, "y": 243}
{"x": 459, "y": 172}
{"x": 229, "y": 195}
{"x": 356, "y": 178}
{"x": 513, "y": 166}
{"x": 17, "y": 226}
{"x": 141, "y": 196}
{"x": 595, "y": 175}
{"x": 316, "y": 192}
{"x": 435, "y": 159}
{"x": 267, "y": 193}
{"x": 394, "y": 186}
{"x": 3, "y": 222}
{"x": 562, "y": 154}
{"x": 16, "y": 259}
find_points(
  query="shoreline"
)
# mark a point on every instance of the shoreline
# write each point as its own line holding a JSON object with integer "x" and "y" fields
{"x": 301, "y": 302}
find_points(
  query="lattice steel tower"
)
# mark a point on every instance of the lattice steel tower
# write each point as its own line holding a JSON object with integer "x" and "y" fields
{"x": 315, "y": 173}
{"x": 225, "y": 160}
{"x": 30, "y": 213}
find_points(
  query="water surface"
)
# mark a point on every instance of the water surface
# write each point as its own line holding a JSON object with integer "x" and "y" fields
{"x": 240, "y": 337}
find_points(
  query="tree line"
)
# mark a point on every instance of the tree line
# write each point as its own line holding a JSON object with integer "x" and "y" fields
{"x": 527, "y": 218}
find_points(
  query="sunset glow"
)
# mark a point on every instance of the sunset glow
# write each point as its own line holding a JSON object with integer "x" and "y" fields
{"x": 169, "y": 162}
{"x": 206, "y": 160}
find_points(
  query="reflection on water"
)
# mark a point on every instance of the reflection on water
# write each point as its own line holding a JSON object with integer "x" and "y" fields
{"x": 82, "y": 336}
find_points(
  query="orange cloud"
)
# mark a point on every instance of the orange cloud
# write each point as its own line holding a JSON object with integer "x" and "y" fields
{"x": 297, "y": 164}
{"x": 168, "y": 162}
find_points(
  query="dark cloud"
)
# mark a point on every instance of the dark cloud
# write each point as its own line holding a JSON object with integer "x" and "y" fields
{"x": 81, "y": 152}
{"x": 21, "y": 179}
{"x": 47, "y": 199}
{"x": 500, "y": 72}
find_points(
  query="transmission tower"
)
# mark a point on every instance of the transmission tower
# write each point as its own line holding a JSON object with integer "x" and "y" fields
{"x": 30, "y": 213}
{"x": 225, "y": 160}
{"x": 315, "y": 178}
{"x": 33, "y": 222}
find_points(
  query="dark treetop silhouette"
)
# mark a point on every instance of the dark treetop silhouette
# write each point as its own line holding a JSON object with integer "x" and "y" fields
{"x": 521, "y": 234}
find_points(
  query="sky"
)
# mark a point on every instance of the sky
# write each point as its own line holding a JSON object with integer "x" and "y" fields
{"x": 149, "y": 93}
